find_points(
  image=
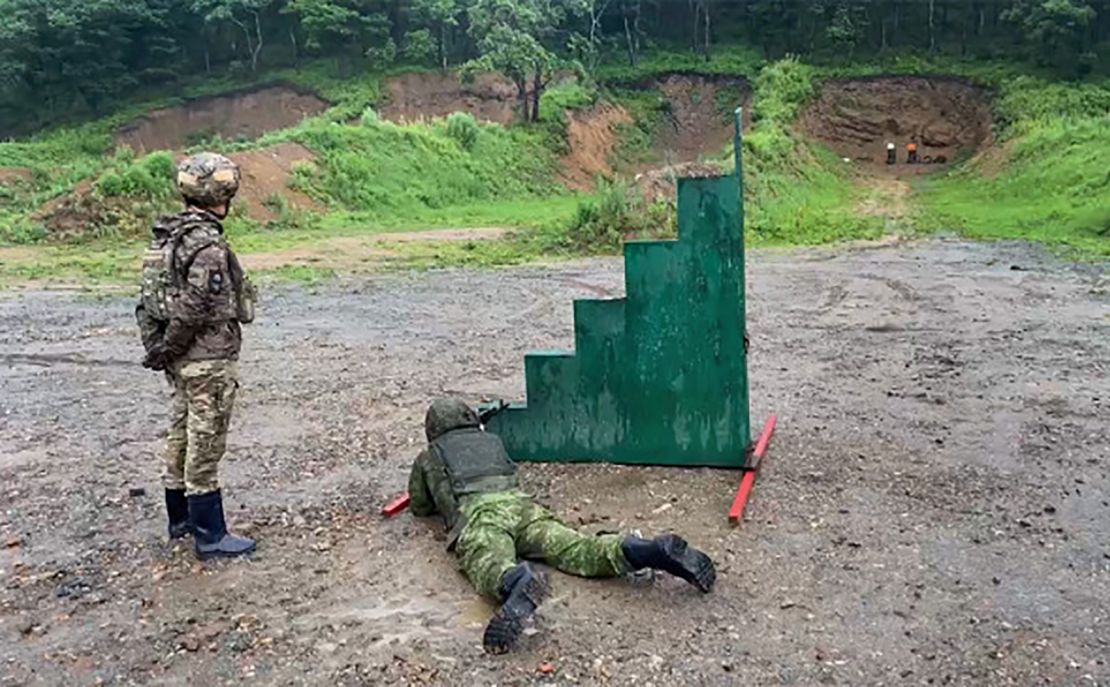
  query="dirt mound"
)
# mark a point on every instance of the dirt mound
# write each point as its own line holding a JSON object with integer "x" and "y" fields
{"x": 699, "y": 121}
{"x": 10, "y": 174}
{"x": 245, "y": 115}
{"x": 266, "y": 174}
{"x": 660, "y": 185}
{"x": 858, "y": 117}
{"x": 591, "y": 137}
{"x": 413, "y": 97}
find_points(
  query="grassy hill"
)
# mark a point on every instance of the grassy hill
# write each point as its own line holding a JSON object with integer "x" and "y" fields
{"x": 1044, "y": 177}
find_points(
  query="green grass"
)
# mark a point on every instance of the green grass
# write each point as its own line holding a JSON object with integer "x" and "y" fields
{"x": 1046, "y": 183}
{"x": 795, "y": 192}
{"x": 1054, "y": 188}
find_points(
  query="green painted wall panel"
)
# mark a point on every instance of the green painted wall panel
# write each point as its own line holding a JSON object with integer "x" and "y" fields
{"x": 660, "y": 376}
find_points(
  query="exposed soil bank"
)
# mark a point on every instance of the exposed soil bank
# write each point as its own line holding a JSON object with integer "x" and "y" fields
{"x": 946, "y": 117}
{"x": 245, "y": 115}
{"x": 413, "y": 97}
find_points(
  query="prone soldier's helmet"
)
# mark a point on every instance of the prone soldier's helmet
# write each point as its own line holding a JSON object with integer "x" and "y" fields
{"x": 446, "y": 414}
{"x": 208, "y": 179}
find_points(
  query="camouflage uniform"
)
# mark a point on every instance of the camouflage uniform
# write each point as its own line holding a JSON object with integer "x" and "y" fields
{"x": 491, "y": 530}
{"x": 202, "y": 341}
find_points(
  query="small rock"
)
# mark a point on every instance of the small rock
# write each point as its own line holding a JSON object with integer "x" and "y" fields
{"x": 26, "y": 627}
{"x": 327, "y": 647}
{"x": 661, "y": 509}
{"x": 13, "y": 542}
{"x": 190, "y": 643}
{"x": 135, "y": 492}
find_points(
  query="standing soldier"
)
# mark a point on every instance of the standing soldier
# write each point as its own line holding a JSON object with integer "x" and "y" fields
{"x": 466, "y": 477}
{"x": 911, "y": 152}
{"x": 194, "y": 296}
{"x": 890, "y": 153}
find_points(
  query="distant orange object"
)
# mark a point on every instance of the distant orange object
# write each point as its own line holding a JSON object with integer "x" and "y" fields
{"x": 912, "y": 147}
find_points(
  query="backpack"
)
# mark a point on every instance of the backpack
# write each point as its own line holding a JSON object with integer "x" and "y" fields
{"x": 161, "y": 283}
{"x": 159, "y": 279}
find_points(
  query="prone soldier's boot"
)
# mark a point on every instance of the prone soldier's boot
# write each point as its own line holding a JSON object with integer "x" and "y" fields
{"x": 210, "y": 535}
{"x": 177, "y": 510}
{"x": 523, "y": 589}
{"x": 670, "y": 553}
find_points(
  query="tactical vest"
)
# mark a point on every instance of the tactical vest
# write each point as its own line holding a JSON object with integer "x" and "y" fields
{"x": 161, "y": 282}
{"x": 476, "y": 462}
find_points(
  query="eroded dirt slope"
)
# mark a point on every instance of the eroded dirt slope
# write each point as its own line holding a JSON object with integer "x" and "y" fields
{"x": 245, "y": 115}
{"x": 266, "y": 175}
{"x": 591, "y": 138}
{"x": 699, "y": 123}
{"x": 413, "y": 97}
{"x": 933, "y": 509}
{"x": 857, "y": 117}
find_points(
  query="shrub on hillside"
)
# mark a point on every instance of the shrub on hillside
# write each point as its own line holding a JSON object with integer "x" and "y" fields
{"x": 462, "y": 127}
{"x": 616, "y": 212}
{"x": 369, "y": 117}
{"x": 148, "y": 177}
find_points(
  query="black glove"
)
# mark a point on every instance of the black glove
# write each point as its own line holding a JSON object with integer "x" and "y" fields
{"x": 156, "y": 358}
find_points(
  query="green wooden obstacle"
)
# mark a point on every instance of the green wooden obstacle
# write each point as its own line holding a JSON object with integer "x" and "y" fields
{"x": 658, "y": 377}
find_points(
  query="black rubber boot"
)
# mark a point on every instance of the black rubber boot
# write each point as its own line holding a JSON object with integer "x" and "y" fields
{"x": 670, "y": 553}
{"x": 523, "y": 589}
{"x": 177, "y": 509}
{"x": 210, "y": 535}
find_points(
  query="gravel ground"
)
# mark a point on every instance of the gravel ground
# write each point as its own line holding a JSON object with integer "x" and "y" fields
{"x": 935, "y": 507}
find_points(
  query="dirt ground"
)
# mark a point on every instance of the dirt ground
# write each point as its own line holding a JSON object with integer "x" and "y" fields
{"x": 857, "y": 117}
{"x": 934, "y": 509}
{"x": 236, "y": 115}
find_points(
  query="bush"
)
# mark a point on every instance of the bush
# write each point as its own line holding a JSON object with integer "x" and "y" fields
{"x": 616, "y": 212}
{"x": 462, "y": 127}
{"x": 150, "y": 177}
{"x": 369, "y": 117}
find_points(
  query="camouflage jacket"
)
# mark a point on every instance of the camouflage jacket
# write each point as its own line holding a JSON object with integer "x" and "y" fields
{"x": 202, "y": 323}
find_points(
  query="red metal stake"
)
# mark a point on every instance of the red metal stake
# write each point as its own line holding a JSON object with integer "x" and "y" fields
{"x": 396, "y": 506}
{"x": 746, "y": 484}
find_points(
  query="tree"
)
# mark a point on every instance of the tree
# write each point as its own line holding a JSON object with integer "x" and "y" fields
{"x": 509, "y": 35}
{"x": 244, "y": 14}
{"x": 846, "y": 27}
{"x": 1057, "y": 29}
{"x": 441, "y": 18}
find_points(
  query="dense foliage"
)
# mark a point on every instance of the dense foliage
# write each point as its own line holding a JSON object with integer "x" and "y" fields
{"x": 66, "y": 58}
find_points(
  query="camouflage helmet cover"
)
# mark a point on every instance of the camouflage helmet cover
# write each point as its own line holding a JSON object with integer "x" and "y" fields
{"x": 208, "y": 179}
{"x": 446, "y": 414}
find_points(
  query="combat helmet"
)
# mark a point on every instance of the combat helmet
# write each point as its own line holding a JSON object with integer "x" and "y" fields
{"x": 208, "y": 179}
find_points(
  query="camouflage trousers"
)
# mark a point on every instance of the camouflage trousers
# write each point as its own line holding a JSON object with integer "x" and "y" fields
{"x": 505, "y": 526}
{"x": 203, "y": 395}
